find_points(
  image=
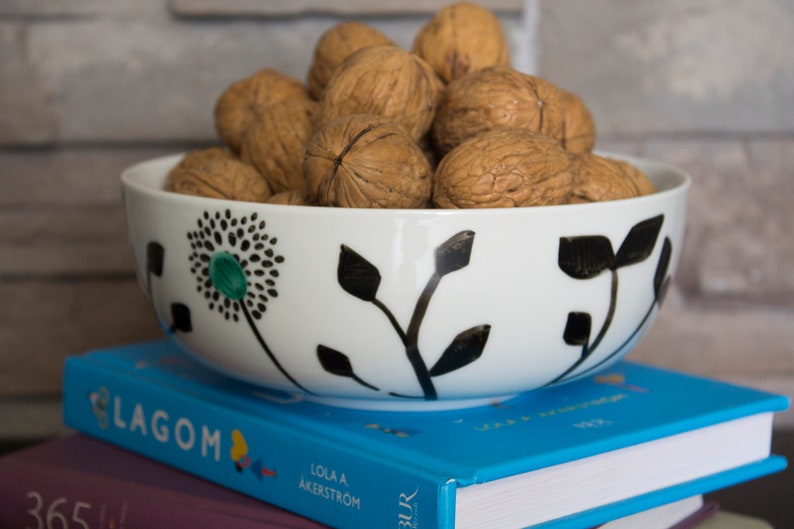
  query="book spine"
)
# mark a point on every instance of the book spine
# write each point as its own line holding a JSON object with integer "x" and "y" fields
{"x": 291, "y": 469}
{"x": 49, "y": 497}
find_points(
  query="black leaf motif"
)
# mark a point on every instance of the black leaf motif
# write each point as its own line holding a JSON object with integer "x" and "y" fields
{"x": 464, "y": 349}
{"x": 662, "y": 267}
{"x": 586, "y": 256}
{"x": 660, "y": 295}
{"x": 578, "y": 328}
{"x": 180, "y": 316}
{"x": 155, "y": 256}
{"x": 360, "y": 278}
{"x": 639, "y": 242}
{"x": 454, "y": 253}
{"x": 334, "y": 362}
{"x": 577, "y": 332}
{"x": 356, "y": 275}
{"x": 339, "y": 364}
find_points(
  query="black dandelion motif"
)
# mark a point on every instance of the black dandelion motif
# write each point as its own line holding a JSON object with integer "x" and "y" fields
{"x": 235, "y": 263}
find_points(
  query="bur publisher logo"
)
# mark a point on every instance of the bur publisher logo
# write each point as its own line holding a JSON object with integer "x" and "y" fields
{"x": 408, "y": 514}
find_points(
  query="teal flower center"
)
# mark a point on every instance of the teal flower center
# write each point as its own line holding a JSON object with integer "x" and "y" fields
{"x": 227, "y": 275}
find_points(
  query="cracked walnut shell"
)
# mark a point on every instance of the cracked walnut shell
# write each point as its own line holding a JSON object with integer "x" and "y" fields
{"x": 334, "y": 46}
{"x": 241, "y": 102}
{"x": 496, "y": 97}
{"x": 366, "y": 161}
{"x": 507, "y": 167}
{"x": 462, "y": 38}
{"x": 384, "y": 81}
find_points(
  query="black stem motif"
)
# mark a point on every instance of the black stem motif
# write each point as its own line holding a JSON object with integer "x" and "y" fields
{"x": 267, "y": 350}
{"x": 410, "y": 339}
{"x": 585, "y": 257}
{"x": 613, "y": 297}
{"x": 360, "y": 278}
{"x": 395, "y": 394}
{"x": 394, "y": 323}
{"x": 412, "y": 345}
{"x": 621, "y": 346}
{"x": 587, "y": 350}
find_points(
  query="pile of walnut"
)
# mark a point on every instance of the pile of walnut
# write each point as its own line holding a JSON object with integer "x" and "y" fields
{"x": 449, "y": 124}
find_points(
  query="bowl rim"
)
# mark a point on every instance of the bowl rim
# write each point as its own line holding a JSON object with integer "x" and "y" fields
{"x": 141, "y": 178}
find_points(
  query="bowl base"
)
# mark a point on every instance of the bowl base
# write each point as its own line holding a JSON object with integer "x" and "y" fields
{"x": 407, "y": 405}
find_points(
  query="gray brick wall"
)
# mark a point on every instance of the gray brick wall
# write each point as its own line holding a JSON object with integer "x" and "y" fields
{"x": 88, "y": 87}
{"x": 708, "y": 86}
{"x": 701, "y": 67}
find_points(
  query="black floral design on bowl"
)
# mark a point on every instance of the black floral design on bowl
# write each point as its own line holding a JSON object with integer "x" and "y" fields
{"x": 588, "y": 256}
{"x": 235, "y": 264}
{"x": 360, "y": 278}
{"x": 236, "y": 267}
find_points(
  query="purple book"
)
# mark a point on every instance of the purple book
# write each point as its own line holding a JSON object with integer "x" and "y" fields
{"x": 79, "y": 482}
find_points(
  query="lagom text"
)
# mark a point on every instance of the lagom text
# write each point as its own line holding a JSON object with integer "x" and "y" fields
{"x": 164, "y": 429}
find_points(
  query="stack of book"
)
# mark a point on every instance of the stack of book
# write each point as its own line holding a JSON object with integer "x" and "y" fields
{"x": 162, "y": 441}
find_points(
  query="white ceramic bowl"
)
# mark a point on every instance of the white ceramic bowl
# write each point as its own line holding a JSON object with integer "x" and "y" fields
{"x": 404, "y": 309}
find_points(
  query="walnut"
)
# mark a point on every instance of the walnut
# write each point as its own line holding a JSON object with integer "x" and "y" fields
{"x": 366, "y": 161}
{"x": 243, "y": 100}
{"x": 196, "y": 158}
{"x": 579, "y": 132}
{"x": 505, "y": 167}
{"x": 599, "y": 178}
{"x": 496, "y": 97}
{"x": 640, "y": 179}
{"x": 222, "y": 178}
{"x": 292, "y": 197}
{"x": 334, "y": 46}
{"x": 462, "y": 38}
{"x": 385, "y": 81}
{"x": 274, "y": 142}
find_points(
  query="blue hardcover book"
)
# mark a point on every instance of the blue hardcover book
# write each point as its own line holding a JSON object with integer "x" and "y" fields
{"x": 566, "y": 457}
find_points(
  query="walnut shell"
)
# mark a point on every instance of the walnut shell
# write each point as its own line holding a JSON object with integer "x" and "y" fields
{"x": 243, "y": 100}
{"x": 462, "y": 38}
{"x": 194, "y": 159}
{"x": 640, "y": 179}
{"x": 507, "y": 167}
{"x": 292, "y": 197}
{"x": 366, "y": 161}
{"x": 385, "y": 81}
{"x": 334, "y": 46}
{"x": 496, "y": 97}
{"x": 579, "y": 131}
{"x": 222, "y": 178}
{"x": 274, "y": 142}
{"x": 599, "y": 179}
